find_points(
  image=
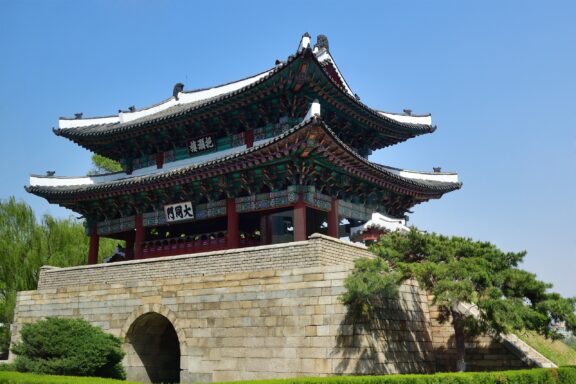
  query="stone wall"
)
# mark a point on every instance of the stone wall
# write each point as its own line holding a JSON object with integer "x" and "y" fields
{"x": 483, "y": 353}
{"x": 253, "y": 313}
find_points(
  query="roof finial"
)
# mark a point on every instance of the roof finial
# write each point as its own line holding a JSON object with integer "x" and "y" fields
{"x": 179, "y": 87}
{"x": 408, "y": 112}
{"x": 132, "y": 108}
{"x": 322, "y": 42}
{"x": 304, "y": 42}
{"x": 78, "y": 116}
{"x": 50, "y": 173}
{"x": 437, "y": 169}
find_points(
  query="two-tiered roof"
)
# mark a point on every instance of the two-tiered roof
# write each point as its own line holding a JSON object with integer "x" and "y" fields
{"x": 294, "y": 137}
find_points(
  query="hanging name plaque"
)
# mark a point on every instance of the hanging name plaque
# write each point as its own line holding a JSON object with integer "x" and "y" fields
{"x": 178, "y": 212}
{"x": 200, "y": 144}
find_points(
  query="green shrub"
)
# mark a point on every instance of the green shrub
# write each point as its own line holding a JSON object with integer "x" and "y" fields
{"x": 70, "y": 347}
{"x": 7, "y": 367}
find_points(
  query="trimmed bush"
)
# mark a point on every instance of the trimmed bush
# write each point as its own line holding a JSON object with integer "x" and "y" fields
{"x": 562, "y": 375}
{"x": 71, "y": 347}
{"x": 7, "y": 367}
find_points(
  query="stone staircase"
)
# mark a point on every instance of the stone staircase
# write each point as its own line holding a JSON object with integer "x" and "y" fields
{"x": 525, "y": 352}
{"x": 518, "y": 347}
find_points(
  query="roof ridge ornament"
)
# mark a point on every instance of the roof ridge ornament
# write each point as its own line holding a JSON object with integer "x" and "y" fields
{"x": 178, "y": 87}
{"x": 321, "y": 43}
{"x": 304, "y": 42}
{"x": 314, "y": 110}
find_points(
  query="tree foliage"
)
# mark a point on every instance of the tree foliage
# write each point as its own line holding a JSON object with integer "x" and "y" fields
{"x": 458, "y": 271}
{"x": 570, "y": 341}
{"x": 372, "y": 278}
{"x": 101, "y": 164}
{"x": 74, "y": 347}
{"x": 26, "y": 245}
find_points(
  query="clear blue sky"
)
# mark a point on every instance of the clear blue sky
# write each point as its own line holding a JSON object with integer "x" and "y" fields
{"x": 498, "y": 77}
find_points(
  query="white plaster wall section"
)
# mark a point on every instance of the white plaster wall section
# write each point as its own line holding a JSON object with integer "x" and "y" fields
{"x": 448, "y": 177}
{"x": 379, "y": 220}
{"x": 409, "y": 119}
{"x": 217, "y": 91}
{"x": 314, "y": 110}
{"x": 130, "y": 116}
{"x": 304, "y": 43}
{"x": 183, "y": 98}
{"x": 77, "y": 123}
{"x": 51, "y": 181}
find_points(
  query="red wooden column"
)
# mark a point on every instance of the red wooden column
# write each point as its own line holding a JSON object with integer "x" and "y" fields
{"x": 233, "y": 230}
{"x": 159, "y": 160}
{"x": 333, "y": 219}
{"x": 249, "y": 138}
{"x": 94, "y": 245}
{"x": 139, "y": 237}
{"x": 130, "y": 246}
{"x": 265, "y": 229}
{"x": 299, "y": 220}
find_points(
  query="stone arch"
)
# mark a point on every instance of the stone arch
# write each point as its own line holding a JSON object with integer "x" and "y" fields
{"x": 155, "y": 345}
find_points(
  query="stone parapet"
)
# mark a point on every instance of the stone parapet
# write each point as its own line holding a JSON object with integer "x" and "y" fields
{"x": 318, "y": 250}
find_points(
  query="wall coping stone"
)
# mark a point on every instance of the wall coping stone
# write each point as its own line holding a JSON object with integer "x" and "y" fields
{"x": 318, "y": 250}
{"x": 312, "y": 238}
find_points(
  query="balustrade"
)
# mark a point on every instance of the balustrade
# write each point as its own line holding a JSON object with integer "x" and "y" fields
{"x": 184, "y": 245}
{"x": 214, "y": 241}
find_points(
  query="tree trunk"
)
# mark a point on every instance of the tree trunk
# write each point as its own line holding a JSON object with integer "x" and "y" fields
{"x": 458, "y": 323}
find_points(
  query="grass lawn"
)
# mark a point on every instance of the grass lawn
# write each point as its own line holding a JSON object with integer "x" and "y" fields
{"x": 563, "y": 375}
{"x": 7, "y": 377}
{"x": 557, "y": 351}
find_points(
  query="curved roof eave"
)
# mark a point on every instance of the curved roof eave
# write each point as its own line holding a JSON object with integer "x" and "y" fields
{"x": 426, "y": 187}
{"x": 77, "y": 134}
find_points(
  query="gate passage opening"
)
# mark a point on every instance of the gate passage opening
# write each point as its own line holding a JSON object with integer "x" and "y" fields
{"x": 152, "y": 350}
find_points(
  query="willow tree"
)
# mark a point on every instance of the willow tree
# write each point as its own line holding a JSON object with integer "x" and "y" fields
{"x": 101, "y": 164}
{"x": 26, "y": 245}
{"x": 21, "y": 253}
{"x": 462, "y": 273}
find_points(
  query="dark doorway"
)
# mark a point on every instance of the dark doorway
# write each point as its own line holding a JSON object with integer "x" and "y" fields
{"x": 152, "y": 350}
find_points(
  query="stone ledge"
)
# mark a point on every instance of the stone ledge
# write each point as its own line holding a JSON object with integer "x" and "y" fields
{"x": 318, "y": 251}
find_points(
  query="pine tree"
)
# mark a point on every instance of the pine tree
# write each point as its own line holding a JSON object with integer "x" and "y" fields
{"x": 460, "y": 272}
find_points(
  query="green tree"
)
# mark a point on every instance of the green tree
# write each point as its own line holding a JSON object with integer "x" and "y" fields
{"x": 461, "y": 273}
{"x": 570, "y": 341}
{"x": 26, "y": 245}
{"x": 21, "y": 250}
{"x": 72, "y": 347}
{"x": 101, "y": 164}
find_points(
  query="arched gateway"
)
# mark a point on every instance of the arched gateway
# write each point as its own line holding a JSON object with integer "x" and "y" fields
{"x": 152, "y": 350}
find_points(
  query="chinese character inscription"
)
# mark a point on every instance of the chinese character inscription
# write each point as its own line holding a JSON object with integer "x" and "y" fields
{"x": 179, "y": 211}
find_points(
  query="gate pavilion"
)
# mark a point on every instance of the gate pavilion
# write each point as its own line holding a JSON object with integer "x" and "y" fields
{"x": 267, "y": 159}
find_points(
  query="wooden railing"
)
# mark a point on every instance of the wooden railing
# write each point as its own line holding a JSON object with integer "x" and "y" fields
{"x": 207, "y": 242}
